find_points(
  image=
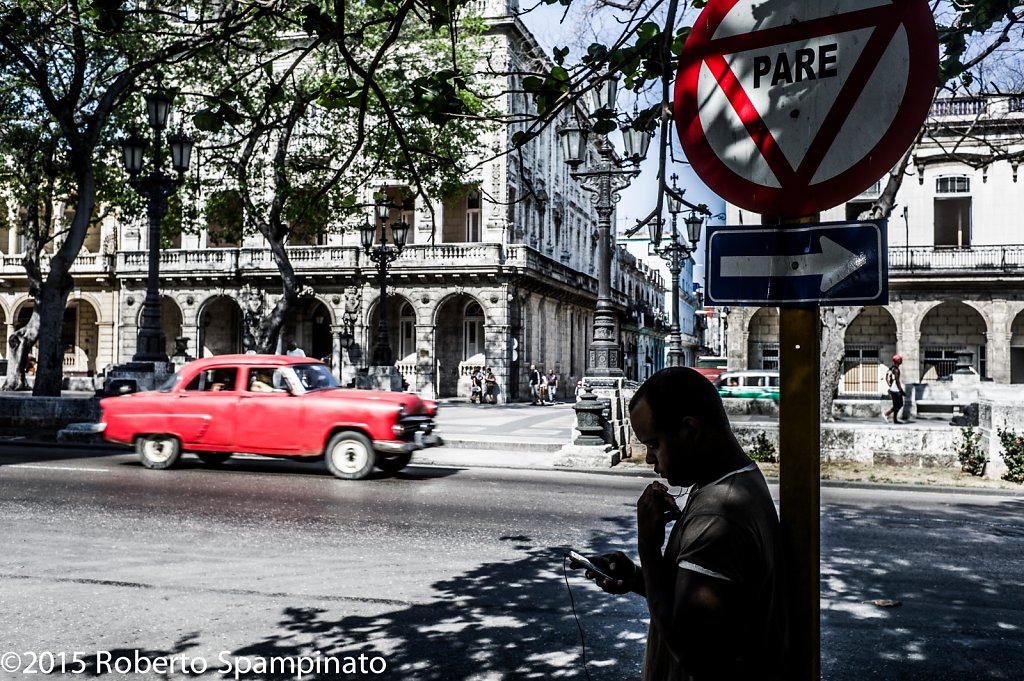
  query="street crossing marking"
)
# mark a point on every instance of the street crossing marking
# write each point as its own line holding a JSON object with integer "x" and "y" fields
{"x": 58, "y": 468}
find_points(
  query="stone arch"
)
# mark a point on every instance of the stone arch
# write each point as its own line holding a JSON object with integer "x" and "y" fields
{"x": 219, "y": 322}
{"x": 93, "y": 301}
{"x": 309, "y": 324}
{"x": 870, "y": 341}
{"x": 5, "y": 320}
{"x": 81, "y": 335}
{"x": 394, "y": 303}
{"x": 19, "y": 308}
{"x": 450, "y": 340}
{"x": 945, "y": 329}
{"x": 172, "y": 320}
{"x": 763, "y": 339}
{"x": 1017, "y": 348}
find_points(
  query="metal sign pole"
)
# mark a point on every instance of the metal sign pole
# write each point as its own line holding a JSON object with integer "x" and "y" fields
{"x": 800, "y": 479}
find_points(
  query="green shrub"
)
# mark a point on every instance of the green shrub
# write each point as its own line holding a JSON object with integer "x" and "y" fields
{"x": 972, "y": 459}
{"x": 1013, "y": 455}
{"x": 762, "y": 449}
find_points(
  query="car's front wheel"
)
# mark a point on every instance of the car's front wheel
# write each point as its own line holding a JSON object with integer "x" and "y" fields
{"x": 213, "y": 458}
{"x": 349, "y": 455}
{"x": 158, "y": 451}
{"x": 393, "y": 464}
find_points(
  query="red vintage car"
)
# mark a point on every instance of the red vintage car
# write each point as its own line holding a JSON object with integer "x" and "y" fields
{"x": 273, "y": 405}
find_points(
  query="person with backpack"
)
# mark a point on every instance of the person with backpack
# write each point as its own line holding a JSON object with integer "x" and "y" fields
{"x": 534, "y": 385}
{"x": 896, "y": 393}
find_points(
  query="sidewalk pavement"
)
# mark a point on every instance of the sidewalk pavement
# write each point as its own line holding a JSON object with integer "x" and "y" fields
{"x": 516, "y": 435}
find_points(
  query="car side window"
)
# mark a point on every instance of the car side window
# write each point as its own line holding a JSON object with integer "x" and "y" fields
{"x": 265, "y": 380}
{"x": 214, "y": 380}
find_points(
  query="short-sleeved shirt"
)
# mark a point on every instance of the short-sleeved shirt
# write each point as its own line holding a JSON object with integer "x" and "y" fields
{"x": 730, "y": 530}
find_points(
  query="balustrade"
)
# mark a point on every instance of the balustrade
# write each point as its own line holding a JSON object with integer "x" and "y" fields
{"x": 976, "y": 258}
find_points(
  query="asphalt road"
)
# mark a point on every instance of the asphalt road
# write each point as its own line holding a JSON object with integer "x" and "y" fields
{"x": 444, "y": 573}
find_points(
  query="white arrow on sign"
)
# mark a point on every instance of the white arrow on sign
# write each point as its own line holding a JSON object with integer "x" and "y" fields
{"x": 833, "y": 264}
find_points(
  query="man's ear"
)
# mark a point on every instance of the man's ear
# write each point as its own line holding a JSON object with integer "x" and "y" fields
{"x": 690, "y": 427}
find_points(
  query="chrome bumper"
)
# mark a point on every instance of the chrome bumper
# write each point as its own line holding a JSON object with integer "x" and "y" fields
{"x": 395, "y": 446}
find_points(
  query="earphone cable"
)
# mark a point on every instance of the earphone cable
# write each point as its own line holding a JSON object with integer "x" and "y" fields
{"x": 572, "y": 603}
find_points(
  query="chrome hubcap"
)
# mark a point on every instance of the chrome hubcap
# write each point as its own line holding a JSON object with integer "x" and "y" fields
{"x": 158, "y": 450}
{"x": 349, "y": 456}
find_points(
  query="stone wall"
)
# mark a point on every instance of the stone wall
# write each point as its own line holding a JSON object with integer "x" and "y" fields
{"x": 870, "y": 444}
{"x": 42, "y": 417}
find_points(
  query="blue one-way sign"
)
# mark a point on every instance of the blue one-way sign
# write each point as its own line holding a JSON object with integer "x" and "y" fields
{"x": 829, "y": 263}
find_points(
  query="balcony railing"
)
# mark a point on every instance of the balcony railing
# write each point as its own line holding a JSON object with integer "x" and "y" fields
{"x": 85, "y": 263}
{"x": 981, "y": 105}
{"x": 976, "y": 258}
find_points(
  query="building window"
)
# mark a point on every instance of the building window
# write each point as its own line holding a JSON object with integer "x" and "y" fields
{"x": 473, "y": 331}
{"x": 938, "y": 361}
{"x": 861, "y": 369}
{"x": 953, "y": 211}
{"x": 953, "y": 184}
{"x": 769, "y": 356}
{"x": 473, "y": 217}
{"x": 406, "y": 332}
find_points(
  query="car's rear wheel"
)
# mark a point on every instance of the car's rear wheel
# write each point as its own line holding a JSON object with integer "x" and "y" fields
{"x": 158, "y": 451}
{"x": 349, "y": 455}
{"x": 393, "y": 464}
{"x": 213, "y": 458}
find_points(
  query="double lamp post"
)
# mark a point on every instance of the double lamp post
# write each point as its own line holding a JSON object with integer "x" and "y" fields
{"x": 675, "y": 253}
{"x": 605, "y": 180}
{"x": 156, "y": 187}
{"x": 383, "y": 254}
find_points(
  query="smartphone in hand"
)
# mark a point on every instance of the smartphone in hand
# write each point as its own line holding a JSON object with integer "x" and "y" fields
{"x": 586, "y": 563}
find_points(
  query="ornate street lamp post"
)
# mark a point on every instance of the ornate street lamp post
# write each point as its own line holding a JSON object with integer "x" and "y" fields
{"x": 675, "y": 253}
{"x": 156, "y": 186}
{"x": 605, "y": 181}
{"x": 383, "y": 254}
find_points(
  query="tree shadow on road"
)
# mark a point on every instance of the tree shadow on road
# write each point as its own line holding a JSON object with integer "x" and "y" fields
{"x": 501, "y": 620}
{"x": 944, "y": 606}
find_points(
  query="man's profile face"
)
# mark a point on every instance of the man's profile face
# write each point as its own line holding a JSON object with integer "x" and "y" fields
{"x": 666, "y": 450}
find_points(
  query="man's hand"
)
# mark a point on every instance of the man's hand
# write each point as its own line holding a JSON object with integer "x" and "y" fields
{"x": 654, "y": 509}
{"x": 615, "y": 565}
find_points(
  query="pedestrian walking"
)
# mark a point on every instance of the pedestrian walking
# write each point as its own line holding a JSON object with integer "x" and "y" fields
{"x": 534, "y": 385}
{"x": 716, "y": 593}
{"x": 294, "y": 350}
{"x": 490, "y": 387}
{"x": 543, "y": 388}
{"x": 552, "y": 386}
{"x": 476, "y": 394}
{"x": 896, "y": 392}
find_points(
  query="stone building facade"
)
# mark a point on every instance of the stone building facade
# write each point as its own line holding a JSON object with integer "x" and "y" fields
{"x": 504, "y": 278}
{"x": 956, "y": 259}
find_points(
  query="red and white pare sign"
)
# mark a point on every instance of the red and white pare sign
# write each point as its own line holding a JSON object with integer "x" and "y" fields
{"x": 792, "y": 107}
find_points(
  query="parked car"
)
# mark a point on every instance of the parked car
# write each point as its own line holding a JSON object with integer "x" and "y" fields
{"x": 761, "y": 384}
{"x": 275, "y": 405}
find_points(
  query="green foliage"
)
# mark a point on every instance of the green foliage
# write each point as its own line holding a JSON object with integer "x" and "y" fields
{"x": 224, "y": 218}
{"x": 1013, "y": 455}
{"x": 973, "y": 459}
{"x": 762, "y": 449}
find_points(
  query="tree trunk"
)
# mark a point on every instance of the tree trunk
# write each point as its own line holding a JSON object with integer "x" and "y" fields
{"x": 53, "y": 297}
{"x": 50, "y": 363}
{"x": 269, "y": 332}
{"x": 834, "y": 322}
{"x": 21, "y": 344}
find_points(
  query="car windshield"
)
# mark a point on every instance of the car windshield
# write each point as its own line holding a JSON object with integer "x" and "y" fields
{"x": 169, "y": 384}
{"x": 315, "y": 377}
